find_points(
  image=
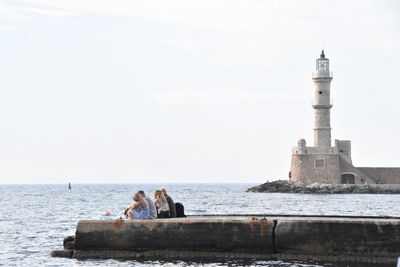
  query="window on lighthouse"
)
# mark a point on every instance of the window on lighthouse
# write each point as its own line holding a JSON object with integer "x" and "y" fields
{"x": 322, "y": 64}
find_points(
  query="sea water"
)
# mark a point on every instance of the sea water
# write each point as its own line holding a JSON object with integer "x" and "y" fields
{"x": 34, "y": 219}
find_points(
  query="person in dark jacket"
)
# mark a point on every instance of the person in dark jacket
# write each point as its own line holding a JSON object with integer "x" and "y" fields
{"x": 171, "y": 203}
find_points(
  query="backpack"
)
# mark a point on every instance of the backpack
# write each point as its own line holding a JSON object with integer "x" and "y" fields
{"x": 180, "y": 210}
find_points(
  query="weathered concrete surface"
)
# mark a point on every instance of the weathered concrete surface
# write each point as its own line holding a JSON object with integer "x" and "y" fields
{"x": 339, "y": 237}
{"x": 342, "y": 239}
{"x": 212, "y": 234}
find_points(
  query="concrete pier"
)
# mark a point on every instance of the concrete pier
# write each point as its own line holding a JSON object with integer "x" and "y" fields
{"x": 323, "y": 238}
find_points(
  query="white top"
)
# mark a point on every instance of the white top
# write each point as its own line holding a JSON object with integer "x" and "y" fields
{"x": 163, "y": 206}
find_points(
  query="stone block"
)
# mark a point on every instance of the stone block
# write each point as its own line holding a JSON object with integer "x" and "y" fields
{"x": 208, "y": 234}
{"x": 334, "y": 237}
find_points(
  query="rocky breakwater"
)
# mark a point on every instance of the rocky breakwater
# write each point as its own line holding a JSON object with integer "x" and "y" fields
{"x": 321, "y": 238}
{"x": 287, "y": 186}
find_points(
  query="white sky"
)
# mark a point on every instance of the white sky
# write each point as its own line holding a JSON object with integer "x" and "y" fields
{"x": 95, "y": 91}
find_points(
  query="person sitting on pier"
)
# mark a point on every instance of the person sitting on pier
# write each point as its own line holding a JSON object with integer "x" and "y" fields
{"x": 152, "y": 207}
{"x": 139, "y": 210}
{"x": 161, "y": 204}
{"x": 171, "y": 203}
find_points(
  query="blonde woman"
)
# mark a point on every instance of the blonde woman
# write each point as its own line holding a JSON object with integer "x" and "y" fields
{"x": 139, "y": 210}
{"x": 161, "y": 204}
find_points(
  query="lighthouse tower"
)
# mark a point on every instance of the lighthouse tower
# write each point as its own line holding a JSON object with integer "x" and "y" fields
{"x": 320, "y": 163}
{"x": 327, "y": 163}
{"x": 322, "y": 78}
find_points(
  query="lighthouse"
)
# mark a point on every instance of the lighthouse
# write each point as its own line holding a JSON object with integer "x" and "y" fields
{"x": 322, "y": 78}
{"x": 327, "y": 163}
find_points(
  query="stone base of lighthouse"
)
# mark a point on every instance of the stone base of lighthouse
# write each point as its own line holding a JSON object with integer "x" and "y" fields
{"x": 333, "y": 165}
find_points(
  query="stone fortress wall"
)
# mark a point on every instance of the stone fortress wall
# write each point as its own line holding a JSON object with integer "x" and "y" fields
{"x": 326, "y": 164}
{"x": 382, "y": 175}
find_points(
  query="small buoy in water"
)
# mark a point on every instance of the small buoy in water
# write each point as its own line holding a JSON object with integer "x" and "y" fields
{"x": 108, "y": 212}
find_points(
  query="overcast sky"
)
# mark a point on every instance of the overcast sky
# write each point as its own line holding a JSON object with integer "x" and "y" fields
{"x": 122, "y": 91}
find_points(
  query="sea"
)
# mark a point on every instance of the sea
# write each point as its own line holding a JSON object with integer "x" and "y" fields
{"x": 34, "y": 219}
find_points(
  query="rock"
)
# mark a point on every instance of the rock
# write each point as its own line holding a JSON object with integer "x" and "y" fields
{"x": 69, "y": 242}
{"x": 361, "y": 190}
{"x": 69, "y": 245}
{"x": 273, "y": 187}
{"x": 62, "y": 253}
{"x": 68, "y": 239}
{"x": 337, "y": 190}
{"x": 322, "y": 191}
{"x": 288, "y": 186}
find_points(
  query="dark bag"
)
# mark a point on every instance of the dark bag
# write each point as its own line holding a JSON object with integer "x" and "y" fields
{"x": 163, "y": 214}
{"x": 180, "y": 210}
